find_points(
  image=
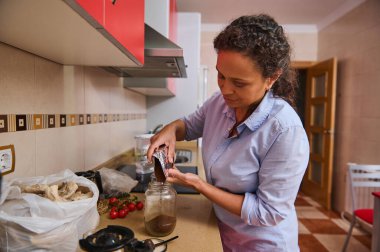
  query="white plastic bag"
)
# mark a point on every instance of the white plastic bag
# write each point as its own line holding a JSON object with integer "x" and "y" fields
{"x": 29, "y": 222}
{"x": 113, "y": 180}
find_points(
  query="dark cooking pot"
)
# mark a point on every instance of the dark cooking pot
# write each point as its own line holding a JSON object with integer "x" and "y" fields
{"x": 116, "y": 238}
{"x": 94, "y": 176}
{"x": 112, "y": 238}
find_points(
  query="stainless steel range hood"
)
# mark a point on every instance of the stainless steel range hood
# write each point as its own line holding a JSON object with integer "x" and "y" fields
{"x": 163, "y": 59}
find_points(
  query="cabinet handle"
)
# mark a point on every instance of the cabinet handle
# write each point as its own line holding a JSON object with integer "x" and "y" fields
{"x": 114, "y": 2}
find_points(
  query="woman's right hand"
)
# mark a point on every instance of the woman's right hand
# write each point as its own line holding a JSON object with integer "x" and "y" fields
{"x": 174, "y": 131}
{"x": 167, "y": 137}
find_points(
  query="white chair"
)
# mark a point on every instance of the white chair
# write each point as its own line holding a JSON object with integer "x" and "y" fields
{"x": 361, "y": 176}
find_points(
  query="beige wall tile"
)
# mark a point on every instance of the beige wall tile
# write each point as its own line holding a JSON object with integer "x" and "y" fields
{"x": 349, "y": 106}
{"x": 349, "y": 85}
{"x": 50, "y": 90}
{"x": 369, "y": 128}
{"x": 125, "y": 101}
{"x": 367, "y": 152}
{"x": 122, "y": 135}
{"x": 96, "y": 145}
{"x": 97, "y": 84}
{"x": 58, "y": 149}
{"x": 16, "y": 81}
{"x": 73, "y": 88}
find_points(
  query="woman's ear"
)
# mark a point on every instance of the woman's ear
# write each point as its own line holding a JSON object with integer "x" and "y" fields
{"x": 273, "y": 78}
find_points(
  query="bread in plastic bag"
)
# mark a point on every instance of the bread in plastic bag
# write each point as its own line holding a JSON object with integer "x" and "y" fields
{"x": 113, "y": 180}
{"x": 29, "y": 222}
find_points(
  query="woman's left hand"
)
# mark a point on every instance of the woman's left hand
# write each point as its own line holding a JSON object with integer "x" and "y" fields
{"x": 173, "y": 175}
{"x": 231, "y": 202}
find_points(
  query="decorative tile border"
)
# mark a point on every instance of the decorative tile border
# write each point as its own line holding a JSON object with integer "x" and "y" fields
{"x": 22, "y": 122}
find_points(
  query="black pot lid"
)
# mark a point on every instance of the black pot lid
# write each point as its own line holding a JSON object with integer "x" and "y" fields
{"x": 87, "y": 174}
{"x": 107, "y": 239}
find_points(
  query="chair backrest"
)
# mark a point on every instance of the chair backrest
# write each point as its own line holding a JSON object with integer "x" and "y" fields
{"x": 363, "y": 176}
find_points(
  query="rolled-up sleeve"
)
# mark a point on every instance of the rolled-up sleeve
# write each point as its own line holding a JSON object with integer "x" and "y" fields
{"x": 280, "y": 175}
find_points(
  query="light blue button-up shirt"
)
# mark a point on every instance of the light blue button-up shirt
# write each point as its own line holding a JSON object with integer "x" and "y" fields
{"x": 265, "y": 163}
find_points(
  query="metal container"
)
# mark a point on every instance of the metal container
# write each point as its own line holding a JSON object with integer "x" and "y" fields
{"x": 161, "y": 163}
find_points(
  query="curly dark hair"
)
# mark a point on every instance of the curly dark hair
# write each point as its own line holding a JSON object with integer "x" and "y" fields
{"x": 262, "y": 39}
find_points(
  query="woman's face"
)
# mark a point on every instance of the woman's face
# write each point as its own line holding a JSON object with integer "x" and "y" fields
{"x": 240, "y": 80}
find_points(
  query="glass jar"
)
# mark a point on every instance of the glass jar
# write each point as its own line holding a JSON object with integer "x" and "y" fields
{"x": 160, "y": 208}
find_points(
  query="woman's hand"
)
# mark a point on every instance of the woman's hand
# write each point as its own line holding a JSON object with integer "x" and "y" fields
{"x": 229, "y": 201}
{"x": 167, "y": 136}
{"x": 173, "y": 175}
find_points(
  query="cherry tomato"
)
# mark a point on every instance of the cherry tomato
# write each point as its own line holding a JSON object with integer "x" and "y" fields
{"x": 125, "y": 208}
{"x": 131, "y": 207}
{"x": 139, "y": 205}
{"x": 113, "y": 201}
{"x": 122, "y": 213}
{"x": 114, "y": 208}
{"x": 113, "y": 214}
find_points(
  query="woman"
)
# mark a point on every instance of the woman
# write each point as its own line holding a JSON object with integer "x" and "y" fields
{"x": 255, "y": 150}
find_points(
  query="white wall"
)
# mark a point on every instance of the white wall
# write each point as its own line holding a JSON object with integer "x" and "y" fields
{"x": 162, "y": 110}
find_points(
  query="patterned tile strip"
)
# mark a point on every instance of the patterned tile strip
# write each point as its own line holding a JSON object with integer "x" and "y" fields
{"x": 38, "y": 122}
{"x": 23, "y": 122}
{"x": 3, "y": 123}
{"x": 11, "y": 123}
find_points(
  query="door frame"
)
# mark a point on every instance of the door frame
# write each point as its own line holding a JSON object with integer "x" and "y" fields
{"x": 309, "y": 187}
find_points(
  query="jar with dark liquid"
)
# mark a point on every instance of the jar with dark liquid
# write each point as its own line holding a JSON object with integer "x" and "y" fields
{"x": 160, "y": 208}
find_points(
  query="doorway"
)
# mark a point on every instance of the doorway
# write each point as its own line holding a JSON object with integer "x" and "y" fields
{"x": 316, "y": 108}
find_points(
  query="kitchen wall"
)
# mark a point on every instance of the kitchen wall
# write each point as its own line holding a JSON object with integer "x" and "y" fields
{"x": 355, "y": 40}
{"x": 60, "y": 117}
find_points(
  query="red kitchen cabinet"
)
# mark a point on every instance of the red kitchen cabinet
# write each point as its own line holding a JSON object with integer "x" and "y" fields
{"x": 71, "y": 32}
{"x": 95, "y": 8}
{"x": 124, "y": 20}
{"x": 173, "y": 20}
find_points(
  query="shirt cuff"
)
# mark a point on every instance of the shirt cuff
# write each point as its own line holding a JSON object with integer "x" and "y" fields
{"x": 248, "y": 209}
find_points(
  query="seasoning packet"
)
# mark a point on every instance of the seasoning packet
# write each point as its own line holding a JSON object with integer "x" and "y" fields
{"x": 161, "y": 164}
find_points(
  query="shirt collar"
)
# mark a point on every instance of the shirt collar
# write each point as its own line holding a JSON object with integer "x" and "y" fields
{"x": 261, "y": 113}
